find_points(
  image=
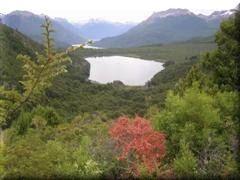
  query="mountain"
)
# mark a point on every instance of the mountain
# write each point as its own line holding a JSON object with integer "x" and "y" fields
{"x": 29, "y": 24}
{"x": 1, "y": 16}
{"x": 12, "y": 43}
{"x": 216, "y": 17}
{"x": 97, "y": 29}
{"x": 165, "y": 27}
{"x": 69, "y": 26}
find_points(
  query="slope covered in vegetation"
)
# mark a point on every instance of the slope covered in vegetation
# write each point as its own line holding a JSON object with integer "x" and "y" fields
{"x": 11, "y": 44}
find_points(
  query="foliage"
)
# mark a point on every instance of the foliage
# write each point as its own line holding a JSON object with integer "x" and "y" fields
{"x": 2, "y": 158}
{"x": 138, "y": 143}
{"x": 23, "y": 122}
{"x": 26, "y": 158}
{"x": 37, "y": 76}
{"x": 39, "y": 117}
{"x": 96, "y": 125}
{"x": 58, "y": 151}
{"x": 84, "y": 164}
{"x": 185, "y": 164}
{"x": 205, "y": 122}
{"x": 217, "y": 75}
{"x": 13, "y": 43}
{"x": 71, "y": 94}
{"x": 220, "y": 68}
{"x": 195, "y": 75}
{"x": 177, "y": 52}
{"x": 223, "y": 63}
{"x": 48, "y": 113}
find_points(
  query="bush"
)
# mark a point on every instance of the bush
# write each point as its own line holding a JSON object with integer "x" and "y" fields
{"x": 23, "y": 122}
{"x": 140, "y": 146}
{"x": 185, "y": 163}
{"x": 206, "y": 123}
{"x": 48, "y": 113}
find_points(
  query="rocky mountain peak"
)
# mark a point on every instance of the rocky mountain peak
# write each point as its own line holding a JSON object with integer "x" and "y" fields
{"x": 220, "y": 14}
{"x": 172, "y": 12}
{"x": 21, "y": 13}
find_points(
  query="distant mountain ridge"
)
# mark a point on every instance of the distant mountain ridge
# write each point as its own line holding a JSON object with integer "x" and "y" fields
{"x": 67, "y": 33}
{"x": 96, "y": 29}
{"x": 29, "y": 24}
{"x": 161, "y": 27}
{"x": 167, "y": 26}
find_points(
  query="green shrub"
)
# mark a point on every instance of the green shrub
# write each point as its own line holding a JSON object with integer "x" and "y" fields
{"x": 206, "y": 123}
{"x": 48, "y": 113}
{"x": 185, "y": 163}
{"x": 23, "y": 122}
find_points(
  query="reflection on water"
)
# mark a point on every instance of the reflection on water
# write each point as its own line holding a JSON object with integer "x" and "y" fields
{"x": 86, "y": 46}
{"x": 130, "y": 71}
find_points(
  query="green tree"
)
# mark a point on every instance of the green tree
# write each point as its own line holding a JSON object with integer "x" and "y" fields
{"x": 220, "y": 68}
{"x": 224, "y": 64}
{"x": 205, "y": 122}
{"x": 37, "y": 76}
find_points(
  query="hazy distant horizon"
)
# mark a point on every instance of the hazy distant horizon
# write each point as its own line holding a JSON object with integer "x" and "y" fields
{"x": 117, "y": 11}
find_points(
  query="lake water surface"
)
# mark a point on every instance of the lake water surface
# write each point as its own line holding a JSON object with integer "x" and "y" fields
{"x": 87, "y": 46}
{"x": 130, "y": 71}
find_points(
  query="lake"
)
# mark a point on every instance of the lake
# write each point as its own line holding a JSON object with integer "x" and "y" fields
{"x": 130, "y": 71}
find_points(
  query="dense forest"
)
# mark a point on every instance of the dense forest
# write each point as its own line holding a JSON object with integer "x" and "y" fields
{"x": 55, "y": 123}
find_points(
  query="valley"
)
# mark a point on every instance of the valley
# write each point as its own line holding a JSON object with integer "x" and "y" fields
{"x": 179, "y": 57}
{"x": 115, "y": 99}
{"x": 158, "y": 99}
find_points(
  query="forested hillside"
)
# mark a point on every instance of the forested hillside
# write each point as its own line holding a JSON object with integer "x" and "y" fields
{"x": 12, "y": 43}
{"x": 184, "y": 123}
{"x": 178, "y": 51}
{"x": 165, "y": 27}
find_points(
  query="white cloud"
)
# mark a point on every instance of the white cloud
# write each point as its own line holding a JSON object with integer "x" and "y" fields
{"x": 114, "y": 10}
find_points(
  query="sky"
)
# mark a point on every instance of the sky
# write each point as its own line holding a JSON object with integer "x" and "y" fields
{"x": 112, "y": 10}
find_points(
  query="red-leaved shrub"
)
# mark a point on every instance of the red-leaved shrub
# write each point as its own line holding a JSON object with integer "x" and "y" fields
{"x": 138, "y": 143}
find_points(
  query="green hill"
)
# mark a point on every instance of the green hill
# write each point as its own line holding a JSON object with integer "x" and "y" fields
{"x": 178, "y": 51}
{"x": 12, "y": 43}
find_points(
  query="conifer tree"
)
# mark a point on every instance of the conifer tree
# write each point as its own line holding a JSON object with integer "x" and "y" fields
{"x": 37, "y": 76}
